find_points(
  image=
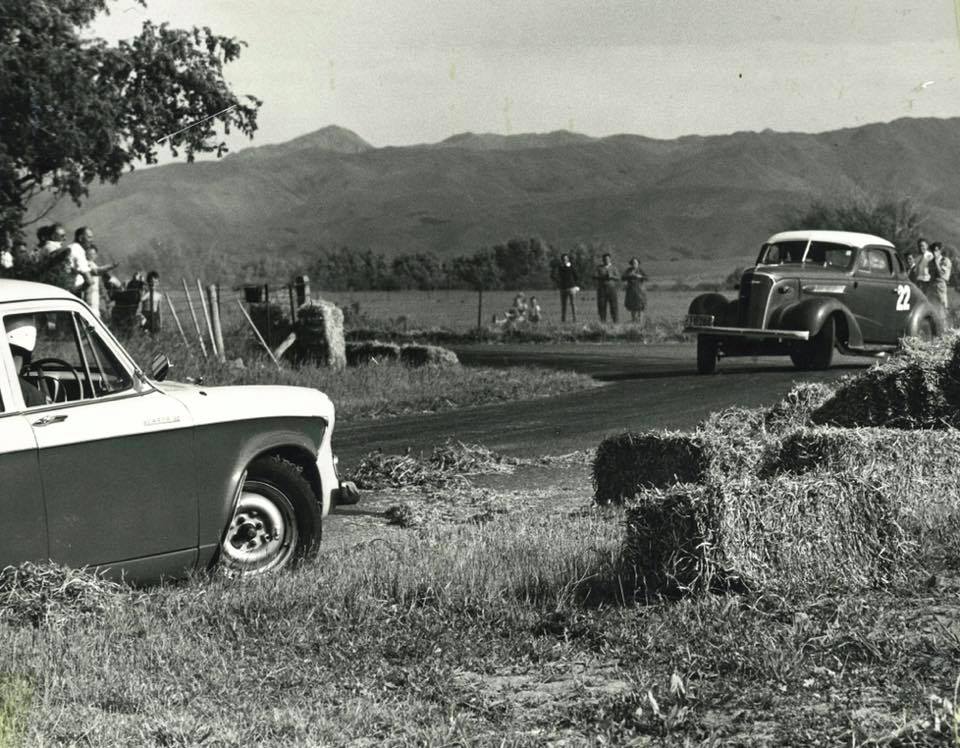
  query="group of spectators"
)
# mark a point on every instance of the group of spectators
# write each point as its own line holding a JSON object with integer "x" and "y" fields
{"x": 608, "y": 280}
{"x": 930, "y": 269}
{"x": 76, "y": 267}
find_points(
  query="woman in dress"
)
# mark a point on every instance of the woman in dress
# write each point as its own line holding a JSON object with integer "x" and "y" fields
{"x": 636, "y": 297}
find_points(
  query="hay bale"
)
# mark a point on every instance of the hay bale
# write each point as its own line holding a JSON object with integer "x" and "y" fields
{"x": 320, "y": 334}
{"x": 416, "y": 354}
{"x": 628, "y": 463}
{"x": 371, "y": 351}
{"x": 907, "y": 391}
{"x": 917, "y": 469}
{"x": 733, "y": 441}
{"x": 787, "y": 533}
{"x": 795, "y": 409}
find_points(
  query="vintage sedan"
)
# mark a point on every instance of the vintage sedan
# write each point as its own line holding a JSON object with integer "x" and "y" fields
{"x": 810, "y": 293}
{"x": 103, "y": 465}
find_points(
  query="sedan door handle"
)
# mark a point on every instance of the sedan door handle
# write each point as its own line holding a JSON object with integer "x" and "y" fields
{"x": 47, "y": 420}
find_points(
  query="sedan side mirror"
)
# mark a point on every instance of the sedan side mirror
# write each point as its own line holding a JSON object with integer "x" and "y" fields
{"x": 159, "y": 367}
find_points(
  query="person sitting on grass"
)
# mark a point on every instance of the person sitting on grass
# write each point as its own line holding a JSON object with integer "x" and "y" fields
{"x": 517, "y": 312}
{"x": 533, "y": 310}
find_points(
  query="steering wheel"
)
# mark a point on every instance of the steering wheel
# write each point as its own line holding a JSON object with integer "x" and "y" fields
{"x": 38, "y": 366}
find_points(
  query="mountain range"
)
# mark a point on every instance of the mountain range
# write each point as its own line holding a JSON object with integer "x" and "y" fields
{"x": 694, "y": 196}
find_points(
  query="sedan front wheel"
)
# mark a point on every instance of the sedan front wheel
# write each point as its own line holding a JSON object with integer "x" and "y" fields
{"x": 276, "y": 521}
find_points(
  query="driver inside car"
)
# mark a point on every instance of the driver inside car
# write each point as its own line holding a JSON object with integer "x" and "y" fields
{"x": 22, "y": 338}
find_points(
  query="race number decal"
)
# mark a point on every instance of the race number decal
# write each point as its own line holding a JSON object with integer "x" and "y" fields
{"x": 903, "y": 298}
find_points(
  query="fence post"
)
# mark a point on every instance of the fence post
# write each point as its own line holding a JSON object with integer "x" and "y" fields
{"x": 302, "y": 285}
{"x": 479, "y": 307}
{"x": 205, "y": 306}
{"x": 193, "y": 314}
{"x": 214, "y": 296}
{"x": 293, "y": 306}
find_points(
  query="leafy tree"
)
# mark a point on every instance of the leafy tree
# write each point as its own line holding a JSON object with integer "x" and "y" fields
{"x": 478, "y": 271}
{"x": 523, "y": 262}
{"x": 76, "y": 109}
{"x": 894, "y": 220}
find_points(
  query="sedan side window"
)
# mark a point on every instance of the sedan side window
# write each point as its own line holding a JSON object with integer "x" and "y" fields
{"x": 61, "y": 359}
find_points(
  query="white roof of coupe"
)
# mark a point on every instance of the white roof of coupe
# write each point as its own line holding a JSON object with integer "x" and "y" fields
{"x": 850, "y": 238}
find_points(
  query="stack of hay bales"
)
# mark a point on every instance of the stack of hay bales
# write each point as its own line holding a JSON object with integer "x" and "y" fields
{"x": 371, "y": 351}
{"x": 415, "y": 354}
{"x": 320, "y": 334}
{"x": 411, "y": 354}
{"x": 766, "y": 498}
{"x": 914, "y": 390}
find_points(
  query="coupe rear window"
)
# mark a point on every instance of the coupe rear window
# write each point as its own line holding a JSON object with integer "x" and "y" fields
{"x": 824, "y": 254}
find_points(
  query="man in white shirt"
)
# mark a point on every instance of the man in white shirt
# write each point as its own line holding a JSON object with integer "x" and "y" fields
{"x": 922, "y": 268}
{"x": 79, "y": 265}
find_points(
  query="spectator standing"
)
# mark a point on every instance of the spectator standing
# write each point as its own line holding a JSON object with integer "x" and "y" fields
{"x": 569, "y": 285}
{"x": 91, "y": 294}
{"x": 940, "y": 270}
{"x": 150, "y": 303}
{"x": 607, "y": 279}
{"x": 52, "y": 239}
{"x": 921, "y": 270}
{"x": 636, "y": 298}
{"x": 77, "y": 259}
{"x": 137, "y": 282}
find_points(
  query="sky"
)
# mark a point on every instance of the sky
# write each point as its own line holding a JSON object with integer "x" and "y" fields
{"x": 399, "y": 72}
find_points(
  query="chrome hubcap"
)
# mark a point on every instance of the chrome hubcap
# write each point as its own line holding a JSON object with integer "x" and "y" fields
{"x": 263, "y": 532}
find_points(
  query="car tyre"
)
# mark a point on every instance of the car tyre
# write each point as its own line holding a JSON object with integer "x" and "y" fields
{"x": 707, "y": 354}
{"x": 822, "y": 345}
{"x": 276, "y": 523}
{"x": 818, "y": 352}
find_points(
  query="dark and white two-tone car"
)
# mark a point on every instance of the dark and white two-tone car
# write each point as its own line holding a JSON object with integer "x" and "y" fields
{"x": 810, "y": 293}
{"x": 103, "y": 465}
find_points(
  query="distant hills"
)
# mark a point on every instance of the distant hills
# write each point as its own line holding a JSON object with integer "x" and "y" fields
{"x": 693, "y": 197}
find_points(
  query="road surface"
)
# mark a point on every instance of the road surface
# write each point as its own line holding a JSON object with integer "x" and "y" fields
{"x": 643, "y": 387}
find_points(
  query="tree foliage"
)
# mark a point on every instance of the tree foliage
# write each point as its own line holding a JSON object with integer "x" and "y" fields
{"x": 76, "y": 109}
{"x": 897, "y": 221}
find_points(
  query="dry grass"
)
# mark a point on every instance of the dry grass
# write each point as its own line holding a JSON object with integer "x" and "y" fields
{"x": 376, "y": 389}
{"x": 449, "y": 464}
{"x": 48, "y": 594}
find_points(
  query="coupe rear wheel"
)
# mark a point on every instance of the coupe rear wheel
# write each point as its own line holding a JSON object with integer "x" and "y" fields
{"x": 276, "y": 522}
{"x": 707, "y": 354}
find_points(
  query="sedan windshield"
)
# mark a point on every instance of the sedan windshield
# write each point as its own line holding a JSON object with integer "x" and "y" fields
{"x": 822, "y": 254}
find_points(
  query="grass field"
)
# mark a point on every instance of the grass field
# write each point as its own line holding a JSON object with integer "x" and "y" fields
{"x": 457, "y": 310}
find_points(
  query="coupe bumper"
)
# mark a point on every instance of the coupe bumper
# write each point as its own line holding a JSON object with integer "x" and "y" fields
{"x": 748, "y": 332}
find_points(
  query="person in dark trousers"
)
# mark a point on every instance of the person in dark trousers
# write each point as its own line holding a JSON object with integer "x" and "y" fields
{"x": 607, "y": 279}
{"x": 569, "y": 285}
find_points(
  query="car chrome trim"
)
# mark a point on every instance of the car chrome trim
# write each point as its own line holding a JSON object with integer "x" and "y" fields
{"x": 750, "y": 332}
{"x": 835, "y": 288}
